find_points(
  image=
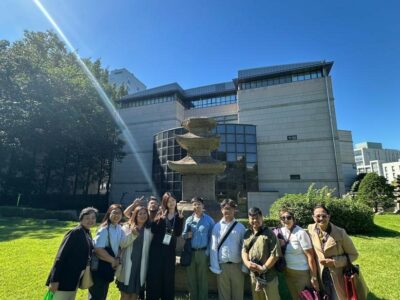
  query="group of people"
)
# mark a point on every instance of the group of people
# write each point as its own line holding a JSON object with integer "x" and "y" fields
{"x": 140, "y": 254}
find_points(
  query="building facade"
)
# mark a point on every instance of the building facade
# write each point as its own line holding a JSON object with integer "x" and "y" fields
{"x": 290, "y": 110}
{"x": 370, "y": 156}
{"x": 124, "y": 77}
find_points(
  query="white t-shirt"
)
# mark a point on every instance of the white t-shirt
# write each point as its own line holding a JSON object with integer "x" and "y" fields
{"x": 294, "y": 254}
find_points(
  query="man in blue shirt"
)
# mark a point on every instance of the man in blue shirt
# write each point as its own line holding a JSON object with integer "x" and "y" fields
{"x": 198, "y": 228}
{"x": 225, "y": 253}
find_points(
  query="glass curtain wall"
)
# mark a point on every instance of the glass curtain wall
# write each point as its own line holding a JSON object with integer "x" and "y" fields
{"x": 238, "y": 149}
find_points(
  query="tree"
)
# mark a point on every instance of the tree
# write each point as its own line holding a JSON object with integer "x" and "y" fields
{"x": 375, "y": 191}
{"x": 56, "y": 136}
{"x": 356, "y": 184}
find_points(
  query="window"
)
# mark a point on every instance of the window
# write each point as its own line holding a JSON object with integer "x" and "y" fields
{"x": 292, "y": 137}
{"x": 295, "y": 177}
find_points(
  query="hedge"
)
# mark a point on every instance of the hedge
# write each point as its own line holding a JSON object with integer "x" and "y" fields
{"x": 349, "y": 214}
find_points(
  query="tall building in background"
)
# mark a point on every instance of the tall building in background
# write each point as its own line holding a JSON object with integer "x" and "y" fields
{"x": 370, "y": 156}
{"x": 278, "y": 129}
{"x": 124, "y": 77}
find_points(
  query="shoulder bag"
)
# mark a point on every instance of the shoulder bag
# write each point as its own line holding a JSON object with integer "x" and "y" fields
{"x": 104, "y": 268}
{"x": 355, "y": 286}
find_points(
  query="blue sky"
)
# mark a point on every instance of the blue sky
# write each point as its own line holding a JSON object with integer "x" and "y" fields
{"x": 202, "y": 42}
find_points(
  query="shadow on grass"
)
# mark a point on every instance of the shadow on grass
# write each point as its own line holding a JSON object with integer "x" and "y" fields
{"x": 15, "y": 228}
{"x": 371, "y": 296}
{"x": 380, "y": 232}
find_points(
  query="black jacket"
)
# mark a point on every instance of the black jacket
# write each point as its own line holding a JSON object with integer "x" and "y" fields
{"x": 72, "y": 257}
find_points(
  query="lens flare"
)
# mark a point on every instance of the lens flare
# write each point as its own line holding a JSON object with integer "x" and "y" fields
{"x": 130, "y": 140}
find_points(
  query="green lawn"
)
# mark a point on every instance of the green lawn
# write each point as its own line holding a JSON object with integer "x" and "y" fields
{"x": 28, "y": 248}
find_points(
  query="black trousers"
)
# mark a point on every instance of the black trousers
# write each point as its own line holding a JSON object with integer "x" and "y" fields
{"x": 99, "y": 289}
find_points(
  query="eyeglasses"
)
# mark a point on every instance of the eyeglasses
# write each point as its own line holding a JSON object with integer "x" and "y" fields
{"x": 322, "y": 216}
{"x": 286, "y": 218}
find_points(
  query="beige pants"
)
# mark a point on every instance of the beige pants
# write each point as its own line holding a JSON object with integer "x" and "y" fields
{"x": 230, "y": 282}
{"x": 63, "y": 295}
{"x": 296, "y": 281}
{"x": 268, "y": 292}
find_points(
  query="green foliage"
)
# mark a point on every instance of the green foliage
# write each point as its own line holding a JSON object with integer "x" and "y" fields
{"x": 270, "y": 222}
{"x": 353, "y": 216}
{"x": 356, "y": 184}
{"x": 56, "y": 136}
{"x": 374, "y": 191}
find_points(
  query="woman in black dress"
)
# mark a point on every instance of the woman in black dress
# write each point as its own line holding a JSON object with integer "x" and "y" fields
{"x": 166, "y": 227}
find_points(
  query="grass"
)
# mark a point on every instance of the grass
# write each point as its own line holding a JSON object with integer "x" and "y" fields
{"x": 28, "y": 248}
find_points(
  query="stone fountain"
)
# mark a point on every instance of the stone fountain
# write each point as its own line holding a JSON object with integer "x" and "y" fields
{"x": 198, "y": 168}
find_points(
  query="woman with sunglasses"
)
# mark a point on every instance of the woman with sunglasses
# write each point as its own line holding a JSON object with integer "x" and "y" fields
{"x": 301, "y": 270}
{"x": 332, "y": 246}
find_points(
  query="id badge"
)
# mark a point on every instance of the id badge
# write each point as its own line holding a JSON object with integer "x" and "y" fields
{"x": 167, "y": 239}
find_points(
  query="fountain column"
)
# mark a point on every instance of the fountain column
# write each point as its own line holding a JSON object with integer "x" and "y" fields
{"x": 198, "y": 168}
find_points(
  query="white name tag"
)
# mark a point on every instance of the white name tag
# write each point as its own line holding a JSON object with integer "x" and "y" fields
{"x": 167, "y": 239}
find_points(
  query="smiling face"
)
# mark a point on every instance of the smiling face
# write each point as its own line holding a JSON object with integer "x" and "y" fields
{"x": 152, "y": 205}
{"x": 256, "y": 221}
{"x": 171, "y": 203}
{"x": 321, "y": 217}
{"x": 88, "y": 220}
{"x": 116, "y": 216}
{"x": 287, "y": 219}
{"x": 142, "y": 216}
{"x": 228, "y": 212}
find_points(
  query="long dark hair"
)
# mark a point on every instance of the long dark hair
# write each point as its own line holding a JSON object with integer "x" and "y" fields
{"x": 106, "y": 220}
{"x": 164, "y": 205}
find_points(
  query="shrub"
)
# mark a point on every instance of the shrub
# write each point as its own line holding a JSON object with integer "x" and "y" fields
{"x": 351, "y": 215}
{"x": 270, "y": 222}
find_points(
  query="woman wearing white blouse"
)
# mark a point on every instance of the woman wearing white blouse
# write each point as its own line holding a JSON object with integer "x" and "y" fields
{"x": 301, "y": 270}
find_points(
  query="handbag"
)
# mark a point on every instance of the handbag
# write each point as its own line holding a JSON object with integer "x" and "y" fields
{"x": 86, "y": 280}
{"x": 104, "y": 268}
{"x": 49, "y": 295}
{"x": 309, "y": 294}
{"x": 280, "y": 264}
{"x": 354, "y": 283}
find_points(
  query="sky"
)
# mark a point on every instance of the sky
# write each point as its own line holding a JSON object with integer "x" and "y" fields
{"x": 197, "y": 43}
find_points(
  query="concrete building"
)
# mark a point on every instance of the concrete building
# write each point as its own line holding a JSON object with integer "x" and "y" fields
{"x": 370, "y": 156}
{"x": 278, "y": 126}
{"x": 391, "y": 170}
{"x": 124, "y": 77}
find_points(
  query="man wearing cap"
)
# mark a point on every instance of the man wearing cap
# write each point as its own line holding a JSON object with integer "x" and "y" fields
{"x": 198, "y": 228}
{"x": 225, "y": 253}
{"x": 260, "y": 252}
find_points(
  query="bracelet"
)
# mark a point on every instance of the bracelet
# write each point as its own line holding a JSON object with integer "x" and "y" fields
{"x": 313, "y": 277}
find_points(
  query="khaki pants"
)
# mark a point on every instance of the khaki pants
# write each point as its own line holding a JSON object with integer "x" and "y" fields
{"x": 63, "y": 295}
{"x": 296, "y": 281}
{"x": 268, "y": 292}
{"x": 230, "y": 282}
{"x": 197, "y": 274}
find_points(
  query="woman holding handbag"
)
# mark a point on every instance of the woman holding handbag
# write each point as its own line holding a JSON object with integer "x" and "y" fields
{"x": 301, "y": 270}
{"x": 72, "y": 257}
{"x": 106, "y": 249}
{"x": 332, "y": 245}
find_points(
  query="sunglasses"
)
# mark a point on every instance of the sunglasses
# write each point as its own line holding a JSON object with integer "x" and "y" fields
{"x": 323, "y": 216}
{"x": 286, "y": 218}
